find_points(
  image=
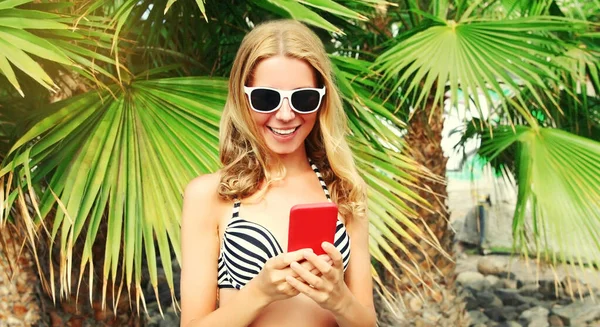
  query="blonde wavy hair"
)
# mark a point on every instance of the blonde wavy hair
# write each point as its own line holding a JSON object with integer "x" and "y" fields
{"x": 243, "y": 152}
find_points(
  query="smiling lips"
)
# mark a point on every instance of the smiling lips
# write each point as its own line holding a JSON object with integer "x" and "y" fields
{"x": 283, "y": 132}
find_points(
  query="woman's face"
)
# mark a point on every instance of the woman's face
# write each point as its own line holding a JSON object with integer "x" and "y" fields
{"x": 284, "y": 130}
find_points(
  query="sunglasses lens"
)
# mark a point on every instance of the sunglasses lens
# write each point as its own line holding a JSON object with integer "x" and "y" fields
{"x": 264, "y": 99}
{"x": 306, "y": 100}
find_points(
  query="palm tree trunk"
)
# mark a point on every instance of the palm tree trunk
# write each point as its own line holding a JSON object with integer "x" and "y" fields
{"x": 428, "y": 298}
{"x": 424, "y": 140}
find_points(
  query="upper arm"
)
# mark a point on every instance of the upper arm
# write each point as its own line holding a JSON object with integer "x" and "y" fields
{"x": 358, "y": 275}
{"x": 199, "y": 247}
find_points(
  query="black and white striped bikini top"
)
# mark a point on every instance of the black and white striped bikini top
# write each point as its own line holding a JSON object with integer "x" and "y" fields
{"x": 247, "y": 245}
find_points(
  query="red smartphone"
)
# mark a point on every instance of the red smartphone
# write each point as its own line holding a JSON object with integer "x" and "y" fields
{"x": 312, "y": 224}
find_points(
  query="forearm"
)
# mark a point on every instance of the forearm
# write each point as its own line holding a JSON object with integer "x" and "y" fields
{"x": 241, "y": 309}
{"x": 353, "y": 314}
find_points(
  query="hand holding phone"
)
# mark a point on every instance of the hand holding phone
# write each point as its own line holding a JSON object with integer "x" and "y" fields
{"x": 311, "y": 225}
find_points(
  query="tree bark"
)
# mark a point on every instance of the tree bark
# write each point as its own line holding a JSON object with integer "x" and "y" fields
{"x": 428, "y": 299}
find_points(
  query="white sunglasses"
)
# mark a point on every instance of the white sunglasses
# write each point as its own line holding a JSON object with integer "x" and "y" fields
{"x": 267, "y": 100}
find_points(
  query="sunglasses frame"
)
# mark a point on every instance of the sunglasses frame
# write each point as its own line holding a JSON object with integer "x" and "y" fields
{"x": 282, "y": 95}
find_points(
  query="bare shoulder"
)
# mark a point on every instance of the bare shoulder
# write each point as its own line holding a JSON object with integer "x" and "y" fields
{"x": 203, "y": 186}
{"x": 201, "y": 200}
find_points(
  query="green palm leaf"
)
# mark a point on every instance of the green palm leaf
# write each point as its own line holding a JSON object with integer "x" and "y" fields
{"x": 476, "y": 55}
{"x": 133, "y": 154}
{"x": 558, "y": 213}
{"x": 29, "y": 34}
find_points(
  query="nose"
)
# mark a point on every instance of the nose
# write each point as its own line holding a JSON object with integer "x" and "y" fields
{"x": 285, "y": 112}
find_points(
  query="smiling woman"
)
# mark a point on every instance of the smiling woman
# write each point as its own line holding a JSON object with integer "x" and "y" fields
{"x": 282, "y": 143}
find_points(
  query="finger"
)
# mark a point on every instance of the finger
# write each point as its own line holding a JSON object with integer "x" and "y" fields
{"x": 310, "y": 267}
{"x": 303, "y": 288}
{"x": 313, "y": 271}
{"x": 306, "y": 265}
{"x": 283, "y": 260}
{"x": 324, "y": 267}
{"x": 306, "y": 275}
{"x": 325, "y": 257}
{"x": 334, "y": 254}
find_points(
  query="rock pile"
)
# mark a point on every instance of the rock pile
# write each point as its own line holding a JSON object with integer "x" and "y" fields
{"x": 495, "y": 297}
{"x": 18, "y": 301}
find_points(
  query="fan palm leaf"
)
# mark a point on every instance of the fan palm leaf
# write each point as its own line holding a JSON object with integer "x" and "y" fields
{"x": 479, "y": 55}
{"x": 134, "y": 154}
{"x": 28, "y": 34}
{"x": 558, "y": 189}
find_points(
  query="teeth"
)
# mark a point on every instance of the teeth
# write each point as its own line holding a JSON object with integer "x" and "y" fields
{"x": 283, "y": 131}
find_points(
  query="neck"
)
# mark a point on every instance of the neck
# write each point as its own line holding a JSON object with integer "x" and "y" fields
{"x": 294, "y": 163}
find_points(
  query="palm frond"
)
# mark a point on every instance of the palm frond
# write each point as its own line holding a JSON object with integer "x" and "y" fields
{"x": 30, "y": 38}
{"x": 558, "y": 214}
{"x": 133, "y": 154}
{"x": 474, "y": 56}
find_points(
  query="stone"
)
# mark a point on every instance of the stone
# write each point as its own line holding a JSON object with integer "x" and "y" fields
{"x": 555, "y": 321}
{"x": 538, "y": 322}
{"x": 529, "y": 289}
{"x": 495, "y": 314}
{"x": 488, "y": 300}
{"x": 478, "y": 317}
{"x": 12, "y": 321}
{"x": 546, "y": 304}
{"x": 535, "y": 313}
{"x": 493, "y": 280}
{"x": 471, "y": 303}
{"x": 509, "y": 283}
{"x": 507, "y": 275}
{"x": 510, "y": 324}
{"x": 578, "y": 313}
{"x": 574, "y": 287}
{"x": 550, "y": 289}
{"x": 529, "y": 300}
{"x": 432, "y": 317}
{"x": 489, "y": 266}
{"x": 511, "y": 315}
{"x": 420, "y": 322}
{"x": 506, "y": 294}
{"x": 415, "y": 304}
{"x": 523, "y": 307}
{"x": 471, "y": 279}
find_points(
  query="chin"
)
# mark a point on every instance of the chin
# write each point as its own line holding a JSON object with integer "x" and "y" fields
{"x": 286, "y": 147}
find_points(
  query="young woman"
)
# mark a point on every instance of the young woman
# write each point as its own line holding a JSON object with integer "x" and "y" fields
{"x": 282, "y": 143}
